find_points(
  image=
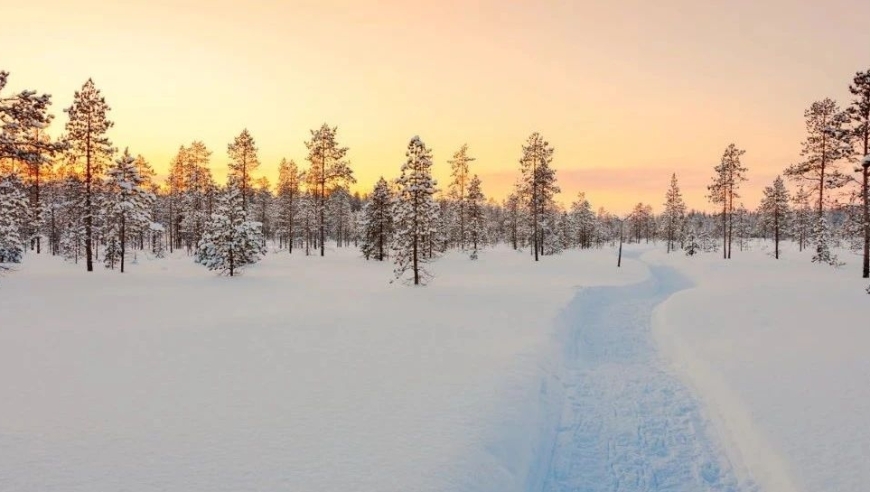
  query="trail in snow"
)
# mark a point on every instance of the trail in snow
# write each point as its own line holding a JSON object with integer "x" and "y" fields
{"x": 628, "y": 424}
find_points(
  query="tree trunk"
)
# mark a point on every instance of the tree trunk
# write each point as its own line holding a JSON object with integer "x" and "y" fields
{"x": 123, "y": 240}
{"x": 89, "y": 252}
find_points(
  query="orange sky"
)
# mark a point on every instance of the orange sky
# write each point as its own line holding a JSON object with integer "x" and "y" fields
{"x": 626, "y": 91}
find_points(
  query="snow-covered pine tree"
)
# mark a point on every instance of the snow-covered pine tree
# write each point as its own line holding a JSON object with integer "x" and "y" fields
{"x": 289, "y": 181}
{"x": 458, "y": 194}
{"x": 414, "y": 213}
{"x": 774, "y": 211}
{"x": 802, "y": 217}
{"x": 198, "y": 184}
{"x": 828, "y": 142}
{"x": 261, "y": 207}
{"x": 339, "y": 208}
{"x": 377, "y": 222}
{"x": 583, "y": 222}
{"x": 538, "y": 186}
{"x": 88, "y": 144}
{"x": 859, "y": 115}
{"x": 674, "y": 214}
{"x": 475, "y": 226}
{"x": 691, "y": 245}
{"x": 822, "y": 241}
{"x": 231, "y": 241}
{"x": 13, "y": 210}
{"x": 328, "y": 169}
{"x": 243, "y": 161}
{"x": 726, "y": 181}
{"x": 126, "y": 207}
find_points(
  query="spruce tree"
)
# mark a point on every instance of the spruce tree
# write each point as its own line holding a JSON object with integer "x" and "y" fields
{"x": 774, "y": 210}
{"x": 414, "y": 214}
{"x": 126, "y": 208}
{"x": 13, "y": 209}
{"x": 231, "y": 241}
{"x": 88, "y": 144}
{"x": 475, "y": 229}
{"x": 377, "y": 222}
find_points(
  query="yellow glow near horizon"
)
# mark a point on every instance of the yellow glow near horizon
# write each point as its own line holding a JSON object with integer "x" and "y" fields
{"x": 627, "y": 91}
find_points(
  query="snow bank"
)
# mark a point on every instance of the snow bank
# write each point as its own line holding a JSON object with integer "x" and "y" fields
{"x": 778, "y": 350}
{"x": 306, "y": 374}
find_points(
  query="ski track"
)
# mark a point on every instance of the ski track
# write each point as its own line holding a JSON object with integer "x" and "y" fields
{"x": 628, "y": 423}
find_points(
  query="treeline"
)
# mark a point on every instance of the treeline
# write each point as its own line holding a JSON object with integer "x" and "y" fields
{"x": 80, "y": 197}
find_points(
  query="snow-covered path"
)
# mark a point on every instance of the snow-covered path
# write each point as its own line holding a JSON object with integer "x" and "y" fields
{"x": 628, "y": 423}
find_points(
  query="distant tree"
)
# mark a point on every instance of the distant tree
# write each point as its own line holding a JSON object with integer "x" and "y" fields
{"x": 243, "y": 161}
{"x": 802, "y": 217}
{"x": 230, "y": 241}
{"x": 328, "y": 170}
{"x": 475, "y": 229}
{"x": 774, "y": 210}
{"x": 726, "y": 181}
{"x": 261, "y": 201}
{"x": 674, "y": 214}
{"x": 691, "y": 247}
{"x": 88, "y": 143}
{"x": 859, "y": 114}
{"x": 583, "y": 221}
{"x": 126, "y": 206}
{"x": 458, "y": 190}
{"x": 13, "y": 209}
{"x": 377, "y": 222}
{"x": 513, "y": 218}
{"x": 198, "y": 186}
{"x": 414, "y": 213}
{"x": 828, "y": 141}
{"x": 538, "y": 186}
{"x": 289, "y": 181}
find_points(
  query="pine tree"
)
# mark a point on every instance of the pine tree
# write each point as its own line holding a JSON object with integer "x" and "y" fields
{"x": 827, "y": 142}
{"x": 289, "y": 181}
{"x": 691, "y": 247}
{"x": 22, "y": 116}
{"x": 475, "y": 229}
{"x": 538, "y": 186}
{"x": 243, "y": 161}
{"x": 328, "y": 170}
{"x": 125, "y": 208}
{"x": 13, "y": 210}
{"x": 774, "y": 210}
{"x": 414, "y": 213}
{"x": 198, "y": 184}
{"x": 584, "y": 222}
{"x": 458, "y": 191}
{"x": 729, "y": 174}
{"x": 859, "y": 114}
{"x": 86, "y": 136}
{"x": 377, "y": 222}
{"x": 822, "y": 240}
{"x": 231, "y": 241}
{"x": 339, "y": 208}
{"x": 674, "y": 214}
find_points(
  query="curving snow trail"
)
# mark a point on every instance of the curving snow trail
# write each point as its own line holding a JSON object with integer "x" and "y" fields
{"x": 628, "y": 423}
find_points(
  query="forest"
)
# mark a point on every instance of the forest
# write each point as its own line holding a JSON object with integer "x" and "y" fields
{"x": 78, "y": 196}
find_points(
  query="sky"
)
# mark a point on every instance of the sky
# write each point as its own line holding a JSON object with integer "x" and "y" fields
{"x": 626, "y": 91}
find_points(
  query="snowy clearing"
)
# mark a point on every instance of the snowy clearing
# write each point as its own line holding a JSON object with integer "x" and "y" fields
{"x": 778, "y": 351}
{"x": 303, "y": 374}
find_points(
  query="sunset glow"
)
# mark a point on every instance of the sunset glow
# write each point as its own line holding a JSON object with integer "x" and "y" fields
{"x": 627, "y": 92}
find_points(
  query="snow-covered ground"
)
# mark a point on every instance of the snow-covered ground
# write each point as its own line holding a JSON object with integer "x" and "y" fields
{"x": 304, "y": 374}
{"x": 778, "y": 350}
{"x": 316, "y": 374}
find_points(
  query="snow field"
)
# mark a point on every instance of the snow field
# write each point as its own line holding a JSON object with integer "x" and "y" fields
{"x": 302, "y": 374}
{"x": 778, "y": 351}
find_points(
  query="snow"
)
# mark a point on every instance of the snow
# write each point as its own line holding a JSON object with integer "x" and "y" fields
{"x": 672, "y": 373}
{"x": 303, "y": 374}
{"x": 867, "y": 159}
{"x": 778, "y": 351}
